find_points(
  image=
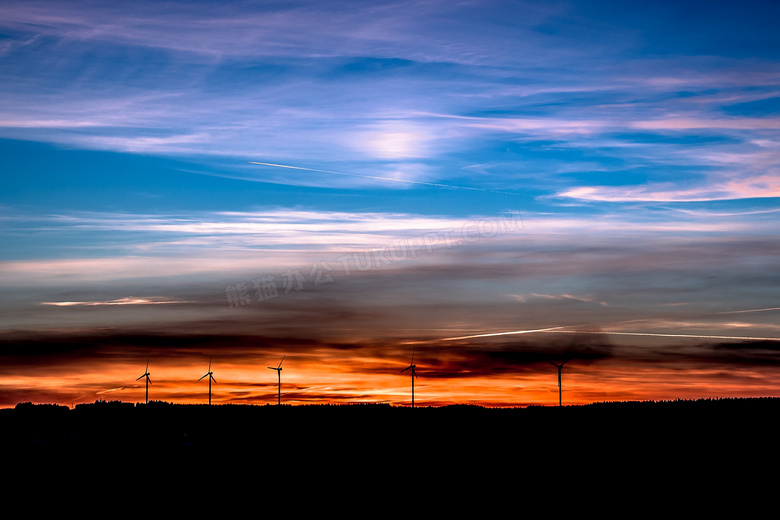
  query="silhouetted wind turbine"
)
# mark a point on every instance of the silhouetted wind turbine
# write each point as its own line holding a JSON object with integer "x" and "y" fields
{"x": 279, "y": 373}
{"x": 414, "y": 374}
{"x": 560, "y": 392}
{"x": 210, "y": 375}
{"x": 148, "y": 381}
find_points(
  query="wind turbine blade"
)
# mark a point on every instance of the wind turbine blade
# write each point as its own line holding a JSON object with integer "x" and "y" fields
{"x": 405, "y": 369}
{"x": 202, "y": 377}
{"x": 140, "y": 377}
{"x": 272, "y": 368}
{"x": 147, "y": 365}
{"x": 414, "y": 372}
{"x": 412, "y": 363}
{"x": 148, "y": 379}
{"x": 280, "y": 362}
{"x": 210, "y": 363}
{"x": 212, "y": 378}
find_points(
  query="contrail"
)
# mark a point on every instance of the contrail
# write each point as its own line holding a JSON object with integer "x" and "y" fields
{"x": 450, "y": 186}
{"x": 751, "y": 310}
{"x": 503, "y": 333}
{"x": 121, "y": 301}
{"x": 557, "y": 330}
{"x": 666, "y": 335}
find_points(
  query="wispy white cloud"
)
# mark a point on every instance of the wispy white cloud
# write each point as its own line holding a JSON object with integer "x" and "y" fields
{"x": 394, "y": 139}
{"x": 691, "y": 123}
{"x": 170, "y": 144}
{"x": 401, "y": 176}
{"x": 401, "y": 91}
{"x": 48, "y": 123}
{"x": 526, "y": 125}
{"x": 293, "y": 29}
{"x": 757, "y": 186}
{"x": 559, "y": 297}
{"x": 300, "y": 227}
{"x": 224, "y": 244}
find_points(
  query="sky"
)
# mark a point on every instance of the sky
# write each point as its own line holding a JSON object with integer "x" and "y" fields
{"x": 480, "y": 188}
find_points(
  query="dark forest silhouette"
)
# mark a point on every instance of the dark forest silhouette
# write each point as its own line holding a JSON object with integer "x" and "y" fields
{"x": 343, "y": 448}
{"x": 356, "y": 428}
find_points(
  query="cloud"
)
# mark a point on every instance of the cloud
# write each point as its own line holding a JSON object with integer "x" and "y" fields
{"x": 688, "y": 123}
{"x": 459, "y": 289}
{"x": 398, "y": 178}
{"x": 170, "y": 144}
{"x": 394, "y": 140}
{"x": 584, "y": 299}
{"x": 400, "y": 91}
{"x": 82, "y": 366}
{"x": 431, "y": 31}
{"x": 283, "y": 232}
{"x": 760, "y": 186}
{"x": 52, "y": 123}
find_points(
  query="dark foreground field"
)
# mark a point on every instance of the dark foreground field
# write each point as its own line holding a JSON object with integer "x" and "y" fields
{"x": 609, "y": 445}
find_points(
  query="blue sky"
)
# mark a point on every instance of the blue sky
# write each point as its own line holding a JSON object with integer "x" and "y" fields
{"x": 640, "y": 143}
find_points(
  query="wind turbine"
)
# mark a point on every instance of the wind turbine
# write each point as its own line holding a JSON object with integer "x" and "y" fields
{"x": 148, "y": 381}
{"x": 560, "y": 392}
{"x": 279, "y": 373}
{"x": 210, "y": 375}
{"x": 414, "y": 374}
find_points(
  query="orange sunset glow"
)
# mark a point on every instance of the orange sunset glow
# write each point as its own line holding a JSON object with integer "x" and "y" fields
{"x": 337, "y": 374}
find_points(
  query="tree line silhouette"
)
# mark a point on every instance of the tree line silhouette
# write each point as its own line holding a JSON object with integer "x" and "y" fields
{"x": 352, "y": 427}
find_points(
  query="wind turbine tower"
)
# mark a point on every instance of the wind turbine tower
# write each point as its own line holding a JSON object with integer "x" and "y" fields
{"x": 148, "y": 381}
{"x": 560, "y": 391}
{"x": 412, "y": 366}
{"x": 210, "y": 375}
{"x": 279, "y": 373}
